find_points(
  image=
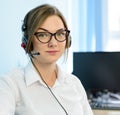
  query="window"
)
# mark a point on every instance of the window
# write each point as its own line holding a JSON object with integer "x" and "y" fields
{"x": 113, "y": 43}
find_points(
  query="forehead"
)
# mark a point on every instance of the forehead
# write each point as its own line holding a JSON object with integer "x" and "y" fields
{"x": 52, "y": 23}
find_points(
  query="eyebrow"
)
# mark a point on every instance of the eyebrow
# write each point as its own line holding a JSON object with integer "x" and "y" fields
{"x": 49, "y": 31}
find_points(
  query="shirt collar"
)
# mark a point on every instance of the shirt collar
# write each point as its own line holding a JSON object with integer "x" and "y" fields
{"x": 31, "y": 75}
{"x": 61, "y": 77}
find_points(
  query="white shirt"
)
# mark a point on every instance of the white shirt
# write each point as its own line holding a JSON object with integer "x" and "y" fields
{"x": 22, "y": 92}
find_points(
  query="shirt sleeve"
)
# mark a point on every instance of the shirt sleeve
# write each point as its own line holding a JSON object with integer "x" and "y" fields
{"x": 85, "y": 104}
{"x": 7, "y": 98}
{"x": 86, "y": 107}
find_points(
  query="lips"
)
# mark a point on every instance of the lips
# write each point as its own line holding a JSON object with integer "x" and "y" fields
{"x": 52, "y": 52}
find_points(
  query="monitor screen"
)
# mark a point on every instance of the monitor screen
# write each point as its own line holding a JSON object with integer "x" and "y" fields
{"x": 97, "y": 70}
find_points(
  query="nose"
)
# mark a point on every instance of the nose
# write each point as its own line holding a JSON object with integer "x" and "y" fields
{"x": 52, "y": 42}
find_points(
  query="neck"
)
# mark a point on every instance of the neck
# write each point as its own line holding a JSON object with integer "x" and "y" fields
{"x": 47, "y": 72}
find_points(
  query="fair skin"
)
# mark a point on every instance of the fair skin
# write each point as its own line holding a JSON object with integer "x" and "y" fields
{"x": 49, "y": 52}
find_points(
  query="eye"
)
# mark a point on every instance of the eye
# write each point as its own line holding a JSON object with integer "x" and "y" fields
{"x": 61, "y": 33}
{"x": 41, "y": 35}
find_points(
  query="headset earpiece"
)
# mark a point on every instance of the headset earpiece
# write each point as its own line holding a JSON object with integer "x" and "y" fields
{"x": 23, "y": 28}
{"x": 24, "y": 42}
{"x": 24, "y": 38}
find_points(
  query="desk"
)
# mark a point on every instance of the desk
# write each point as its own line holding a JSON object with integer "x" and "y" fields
{"x": 106, "y": 112}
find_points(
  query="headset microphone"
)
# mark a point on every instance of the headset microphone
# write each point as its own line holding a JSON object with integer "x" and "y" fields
{"x": 34, "y": 53}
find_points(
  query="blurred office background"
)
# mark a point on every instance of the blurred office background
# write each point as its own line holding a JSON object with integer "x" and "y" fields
{"x": 94, "y": 26}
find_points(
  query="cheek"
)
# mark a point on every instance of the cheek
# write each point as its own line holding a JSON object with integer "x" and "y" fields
{"x": 36, "y": 44}
{"x": 63, "y": 46}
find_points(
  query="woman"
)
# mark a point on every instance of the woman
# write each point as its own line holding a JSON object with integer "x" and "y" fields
{"x": 42, "y": 88}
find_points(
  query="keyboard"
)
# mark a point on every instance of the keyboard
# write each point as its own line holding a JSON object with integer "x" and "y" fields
{"x": 105, "y": 106}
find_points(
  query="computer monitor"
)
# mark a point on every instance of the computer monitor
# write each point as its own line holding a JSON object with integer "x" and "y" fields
{"x": 98, "y": 70}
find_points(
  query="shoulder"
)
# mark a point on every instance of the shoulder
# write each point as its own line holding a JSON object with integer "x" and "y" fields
{"x": 12, "y": 74}
{"x": 71, "y": 79}
{"x": 74, "y": 80}
{"x": 9, "y": 79}
{"x": 68, "y": 76}
{"x": 9, "y": 83}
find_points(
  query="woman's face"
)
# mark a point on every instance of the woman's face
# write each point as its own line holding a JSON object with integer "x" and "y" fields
{"x": 51, "y": 51}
